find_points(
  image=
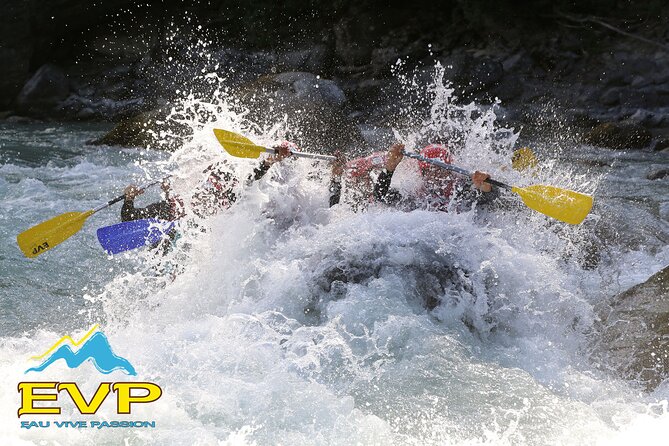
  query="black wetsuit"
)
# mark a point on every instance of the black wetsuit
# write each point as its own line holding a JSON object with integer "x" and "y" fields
{"x": 162, "y": 210}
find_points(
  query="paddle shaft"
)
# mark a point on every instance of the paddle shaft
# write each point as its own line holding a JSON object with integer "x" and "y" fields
{"x": 316, "y": 156}
{"x": 457, "y": 169}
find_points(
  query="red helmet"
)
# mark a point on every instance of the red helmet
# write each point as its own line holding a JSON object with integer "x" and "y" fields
{"x": 435, "y": 151}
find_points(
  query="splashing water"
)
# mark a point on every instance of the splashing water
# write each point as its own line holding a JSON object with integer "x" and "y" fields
{"x": 281, "y": 321}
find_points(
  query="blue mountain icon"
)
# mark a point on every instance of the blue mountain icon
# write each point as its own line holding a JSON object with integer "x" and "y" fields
{"x": 96, "y": 349}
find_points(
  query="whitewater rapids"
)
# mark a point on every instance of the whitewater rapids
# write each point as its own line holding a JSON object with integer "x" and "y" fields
{"x": 292, "y": 323}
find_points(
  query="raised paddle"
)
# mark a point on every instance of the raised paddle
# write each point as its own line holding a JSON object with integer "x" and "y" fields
{"x": 561, "y": 204}
{"x": 44, "y": 236}
{"x": 134, "y": 234}
{"x": 242, "y": 147}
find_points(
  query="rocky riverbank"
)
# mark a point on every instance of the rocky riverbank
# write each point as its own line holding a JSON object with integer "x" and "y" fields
{"x": 560, "y": 69}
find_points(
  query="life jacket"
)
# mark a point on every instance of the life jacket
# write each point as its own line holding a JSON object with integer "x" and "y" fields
{"x": 435, "y": 151}
{"x": 437, "y": 198}
{"x": 361, "y": 167}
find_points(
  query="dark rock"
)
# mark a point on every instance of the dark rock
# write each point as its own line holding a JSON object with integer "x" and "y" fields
{"x": 639, "y": 81}
{"x": 639, "y": 66}
{"x": 123, "y": 53}
{"x": 610, "y": 97}
{"x": 580, "y": 118}
{"x": 317, "y": 119}
{"x": 512, "y": 62}
{"x": 383, "y": 59}
{"x": 14, "y": 119}
{"x": 132, "y": 44}
{"x": 44, "y": 91}
{"x": 16, "y": 49}
{"x": 312, "y": 59}
{"x": 472, "y": 74}
{"x": 241, "y": 67}
{"x": 352, "y": 43}
{"x": 619, "y": 136}
{"x": 510, "y": 89}
{"x": 649, "y": 118}
{"x": 649, "y": 97}
{"x": 660, "y": 77}
{"x": 308, "y": 87}
{"x": 632, "y": 337}
{"x": 150, "y": 130}
{"x": 661, "y": 144}
{"x": 658, "y": 174}
{"x": 79, "y": 107}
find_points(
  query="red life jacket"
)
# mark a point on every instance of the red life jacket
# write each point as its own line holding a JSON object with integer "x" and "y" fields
{"x": 437, "y": 198}
{"x": 361, "y": 167}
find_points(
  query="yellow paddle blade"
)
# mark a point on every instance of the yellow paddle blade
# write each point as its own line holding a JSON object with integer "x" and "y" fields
{"x": 524, "y": 158}
{"x": 46, "y": 235}
{"x": 561, "y": 204}
{"x": 237, "y": 145}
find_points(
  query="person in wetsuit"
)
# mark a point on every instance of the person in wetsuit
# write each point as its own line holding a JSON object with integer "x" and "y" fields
{"x": 440, "y": 188}
{"x": 169, "y": 209}
{"x": 218, "y": 192}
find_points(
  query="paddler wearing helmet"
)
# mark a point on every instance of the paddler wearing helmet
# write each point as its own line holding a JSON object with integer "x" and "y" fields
{"x": 217, "y": 191}
{"x": 438, "y": 190}
{"x": 439, "y": 187}
{"x": 358, "y": 174}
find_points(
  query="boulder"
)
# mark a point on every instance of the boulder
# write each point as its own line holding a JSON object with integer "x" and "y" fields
{"x": 662, "y": 144}
{"x": 658, "y": 174}
{"x": 610, "y": 97}
{"x": 510, "y": 88}
{"x": 83, "y": 108}
{"x": 472, "y": 74}
{"x": 649, "y": 118}
{"x": 353, "y": 45}
{"x": 315, "y": 109}
{"x": 614, "y": 135}
{"x": 382, "y": 61}
{"x": 312, "y": 59}
{"x": 632, "y": 335}
{"x": 43, "y": 91}
{"x": 149, "y": 130}
{"x": 16, "y": 49}
{"x": 307, "y": 87}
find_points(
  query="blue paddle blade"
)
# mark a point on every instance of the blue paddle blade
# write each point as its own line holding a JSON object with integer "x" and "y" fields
{"x": 133, "y": 234}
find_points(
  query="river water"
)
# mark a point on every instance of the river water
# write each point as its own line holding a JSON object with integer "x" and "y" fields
{"x": 281, "y": 321}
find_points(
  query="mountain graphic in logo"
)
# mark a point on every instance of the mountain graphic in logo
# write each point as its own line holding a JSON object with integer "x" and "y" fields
{"x": 96, "y": 349}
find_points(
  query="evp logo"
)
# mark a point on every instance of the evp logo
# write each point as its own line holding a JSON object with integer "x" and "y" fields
{"x": 93, "y": 347}
{"x": 40, "y": 248}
